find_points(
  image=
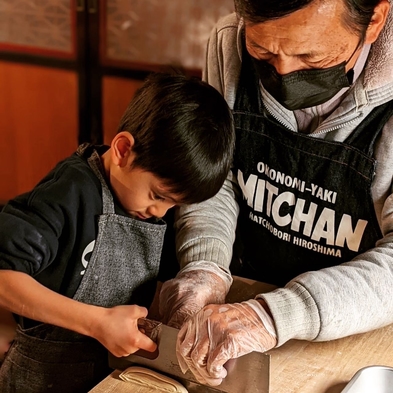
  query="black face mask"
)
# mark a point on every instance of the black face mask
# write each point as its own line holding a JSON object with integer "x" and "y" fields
{"x": 305, "y": 88}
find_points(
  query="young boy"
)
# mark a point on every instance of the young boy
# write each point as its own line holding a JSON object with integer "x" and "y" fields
{"x": 77, "y": 252}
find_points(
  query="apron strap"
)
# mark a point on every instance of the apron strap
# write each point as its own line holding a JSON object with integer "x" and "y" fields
{"x": 95, "y": 164}
{"x": 365, "y": 134}
{"x": 107, "y": 200}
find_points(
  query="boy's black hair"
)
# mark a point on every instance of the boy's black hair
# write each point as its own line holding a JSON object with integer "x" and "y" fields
{"x": 184, "y": 134}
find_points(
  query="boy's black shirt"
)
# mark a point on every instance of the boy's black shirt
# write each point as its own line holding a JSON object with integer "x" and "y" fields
{"x": 48, "y": 232}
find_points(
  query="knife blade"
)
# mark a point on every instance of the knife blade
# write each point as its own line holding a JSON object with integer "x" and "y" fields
{"x": 249, "y": 373}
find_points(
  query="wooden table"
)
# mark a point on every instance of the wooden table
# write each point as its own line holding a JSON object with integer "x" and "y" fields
{"x": 302, "y": 366}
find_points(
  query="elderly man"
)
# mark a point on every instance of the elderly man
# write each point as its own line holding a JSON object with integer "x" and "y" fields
{"x": 309, "y": 196}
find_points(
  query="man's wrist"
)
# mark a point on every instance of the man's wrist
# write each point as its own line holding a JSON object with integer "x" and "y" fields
{"x": 263, "y": 303}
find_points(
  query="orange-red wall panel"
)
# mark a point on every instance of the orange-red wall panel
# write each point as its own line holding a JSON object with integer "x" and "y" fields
{"x": 38, "y": 123}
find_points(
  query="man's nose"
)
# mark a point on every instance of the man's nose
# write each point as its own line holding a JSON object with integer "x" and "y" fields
{"x": 286, "y": 64}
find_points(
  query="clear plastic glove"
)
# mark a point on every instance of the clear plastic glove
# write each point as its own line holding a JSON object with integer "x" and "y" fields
{"x": 221, "y": 332}
{"x": 195, "y": 286}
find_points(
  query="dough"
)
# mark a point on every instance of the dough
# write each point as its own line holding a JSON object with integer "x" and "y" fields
{"x": 151, "y": 379}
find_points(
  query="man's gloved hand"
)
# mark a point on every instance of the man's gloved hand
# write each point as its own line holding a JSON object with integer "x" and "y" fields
{"x": 221, "y": 332}
{"x": 195, "y": 286}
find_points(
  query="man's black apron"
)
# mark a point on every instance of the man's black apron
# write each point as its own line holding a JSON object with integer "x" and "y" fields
{"x": 126, "y": 256}
{"x": 306, "y": 202}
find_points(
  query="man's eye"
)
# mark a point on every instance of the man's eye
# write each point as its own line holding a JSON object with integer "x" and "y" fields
{"x": 264, "y": 56}
{"x": 312, "y": 61}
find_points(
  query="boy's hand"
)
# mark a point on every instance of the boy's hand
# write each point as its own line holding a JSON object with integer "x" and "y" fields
{"x": 117, "y": 330}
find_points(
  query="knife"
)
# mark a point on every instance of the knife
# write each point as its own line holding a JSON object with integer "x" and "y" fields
{"x": 248, "y": 373}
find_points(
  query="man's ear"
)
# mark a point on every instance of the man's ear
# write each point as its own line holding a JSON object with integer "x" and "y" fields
{"x": 377, "y": 22}
{"x": 121, "y": 148}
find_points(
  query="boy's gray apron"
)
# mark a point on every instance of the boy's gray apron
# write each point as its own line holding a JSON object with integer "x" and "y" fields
{"x": 46, "y": 358}
{"x": 306, "y": 202}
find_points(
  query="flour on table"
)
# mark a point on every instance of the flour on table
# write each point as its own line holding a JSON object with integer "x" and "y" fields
{"x": 151, "y": 379}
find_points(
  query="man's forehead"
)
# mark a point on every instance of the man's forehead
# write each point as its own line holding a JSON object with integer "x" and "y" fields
{"x": 260, "y": 44}
{"x": 319, "y": 16}
{"x": 288, "y": 35}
